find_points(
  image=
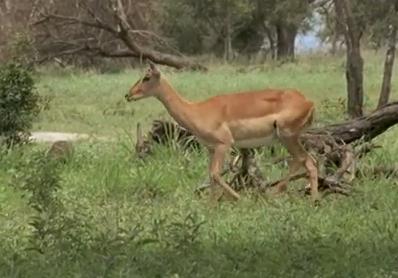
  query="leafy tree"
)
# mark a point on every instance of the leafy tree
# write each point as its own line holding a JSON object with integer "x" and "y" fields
{"x": 182, "y": 28}
{"x": 278, "y": 22}
{"x": 225, "y": 25}
{"x": 287, "y": 19}
{"x": 208, "y": 23}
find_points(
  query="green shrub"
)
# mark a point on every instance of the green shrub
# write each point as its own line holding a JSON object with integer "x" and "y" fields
{"x": 38, "y": 179}
{"x": 60, "y": 227}
{"x": 19, "y": 104}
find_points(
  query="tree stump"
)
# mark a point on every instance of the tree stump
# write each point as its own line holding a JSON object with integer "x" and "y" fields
{"x": 60, "y": 151}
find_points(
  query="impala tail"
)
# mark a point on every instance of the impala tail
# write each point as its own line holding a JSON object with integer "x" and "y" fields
{"x": 309, "y": 119}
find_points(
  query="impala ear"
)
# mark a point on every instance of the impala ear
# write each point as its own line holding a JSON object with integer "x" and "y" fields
{"x": 155, "y": 71}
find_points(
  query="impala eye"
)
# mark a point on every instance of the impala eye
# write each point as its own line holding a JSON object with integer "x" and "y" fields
{"x": 146, "y": 78}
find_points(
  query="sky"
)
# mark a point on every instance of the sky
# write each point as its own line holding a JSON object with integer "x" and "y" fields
{"x": 307, "y": 42}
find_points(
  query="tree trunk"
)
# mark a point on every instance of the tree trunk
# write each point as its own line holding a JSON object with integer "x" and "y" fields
{"x": 354, "y": 76}
{"x": 335, "y": 38}
{"x": 228, "y": 55}
{"x": 270, "y": 37}
{"x": 354, "y": 67}
{"x": 286, "y": 37}
{"x": 389, "y": 61}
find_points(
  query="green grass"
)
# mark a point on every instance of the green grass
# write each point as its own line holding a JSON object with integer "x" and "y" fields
{"x": 122, "y": 217}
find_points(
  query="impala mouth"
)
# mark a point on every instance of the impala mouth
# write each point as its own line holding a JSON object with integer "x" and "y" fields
{"x": 127, "y": 97}
{"x": 130, "y": 98}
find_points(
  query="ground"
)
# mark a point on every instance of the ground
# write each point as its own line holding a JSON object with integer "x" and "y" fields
{"x": 121, "y": 217}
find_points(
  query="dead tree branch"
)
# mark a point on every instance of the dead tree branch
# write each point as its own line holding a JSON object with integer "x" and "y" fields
{"x": 135, "y": 42}
{"x": 365, "y": 127}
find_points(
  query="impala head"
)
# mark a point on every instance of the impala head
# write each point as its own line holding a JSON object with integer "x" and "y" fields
{"x": 146, "y": 86}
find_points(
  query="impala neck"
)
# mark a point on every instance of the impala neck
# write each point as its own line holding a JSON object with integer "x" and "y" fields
{"x": 178, "y": 107}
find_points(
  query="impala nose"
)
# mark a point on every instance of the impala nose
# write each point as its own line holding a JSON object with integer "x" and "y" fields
{"x": 126, "y": 96}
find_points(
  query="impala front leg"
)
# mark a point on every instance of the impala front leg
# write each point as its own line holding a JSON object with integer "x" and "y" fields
{"x": 217, "y": 160}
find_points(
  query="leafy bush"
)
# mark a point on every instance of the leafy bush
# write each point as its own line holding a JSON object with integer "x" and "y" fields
{"x": 56, "y": 231}
{"x": 38, "y": 179}
{"x": 19, "y": 104}
{"x": 61, "y": 228}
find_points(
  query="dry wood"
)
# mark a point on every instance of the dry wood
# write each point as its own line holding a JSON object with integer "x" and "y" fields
{"x": 142, "y": 146}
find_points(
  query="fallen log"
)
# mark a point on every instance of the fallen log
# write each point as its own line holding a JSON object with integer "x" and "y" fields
{"x": 366, "y": 127}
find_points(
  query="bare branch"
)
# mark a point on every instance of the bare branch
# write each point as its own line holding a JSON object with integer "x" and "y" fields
{"x": 135, "y": 41}
{"x": 75, "y": 20}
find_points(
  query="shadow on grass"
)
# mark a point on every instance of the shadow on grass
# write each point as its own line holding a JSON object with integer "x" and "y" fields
{"x": 281, "y": 257}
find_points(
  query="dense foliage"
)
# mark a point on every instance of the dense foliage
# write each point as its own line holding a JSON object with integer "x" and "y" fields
{"x": 19, "y": 103}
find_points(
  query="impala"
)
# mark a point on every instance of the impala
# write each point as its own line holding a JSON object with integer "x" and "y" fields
{"x": 244, "y": 120}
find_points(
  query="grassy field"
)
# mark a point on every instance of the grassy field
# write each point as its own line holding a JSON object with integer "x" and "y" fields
{"x": 116, "y": 216}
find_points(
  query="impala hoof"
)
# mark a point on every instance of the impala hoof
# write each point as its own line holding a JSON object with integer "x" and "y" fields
{"x": 316, "y": 200}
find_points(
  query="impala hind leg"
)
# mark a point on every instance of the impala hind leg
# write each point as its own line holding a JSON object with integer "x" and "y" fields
{"x": 312, "y": 169}
{"x": 216, "y": 191}
{"x": 300, "y": 159}
{"x": 217, "y": 161}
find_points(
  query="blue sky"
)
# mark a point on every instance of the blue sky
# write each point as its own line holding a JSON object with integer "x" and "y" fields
{"x": 307, "y": 42}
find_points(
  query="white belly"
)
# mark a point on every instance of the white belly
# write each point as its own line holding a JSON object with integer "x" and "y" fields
{"x": 255, "y": 142}
{"x": 249, "y": 133}
{"x": 253, "y": 133}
